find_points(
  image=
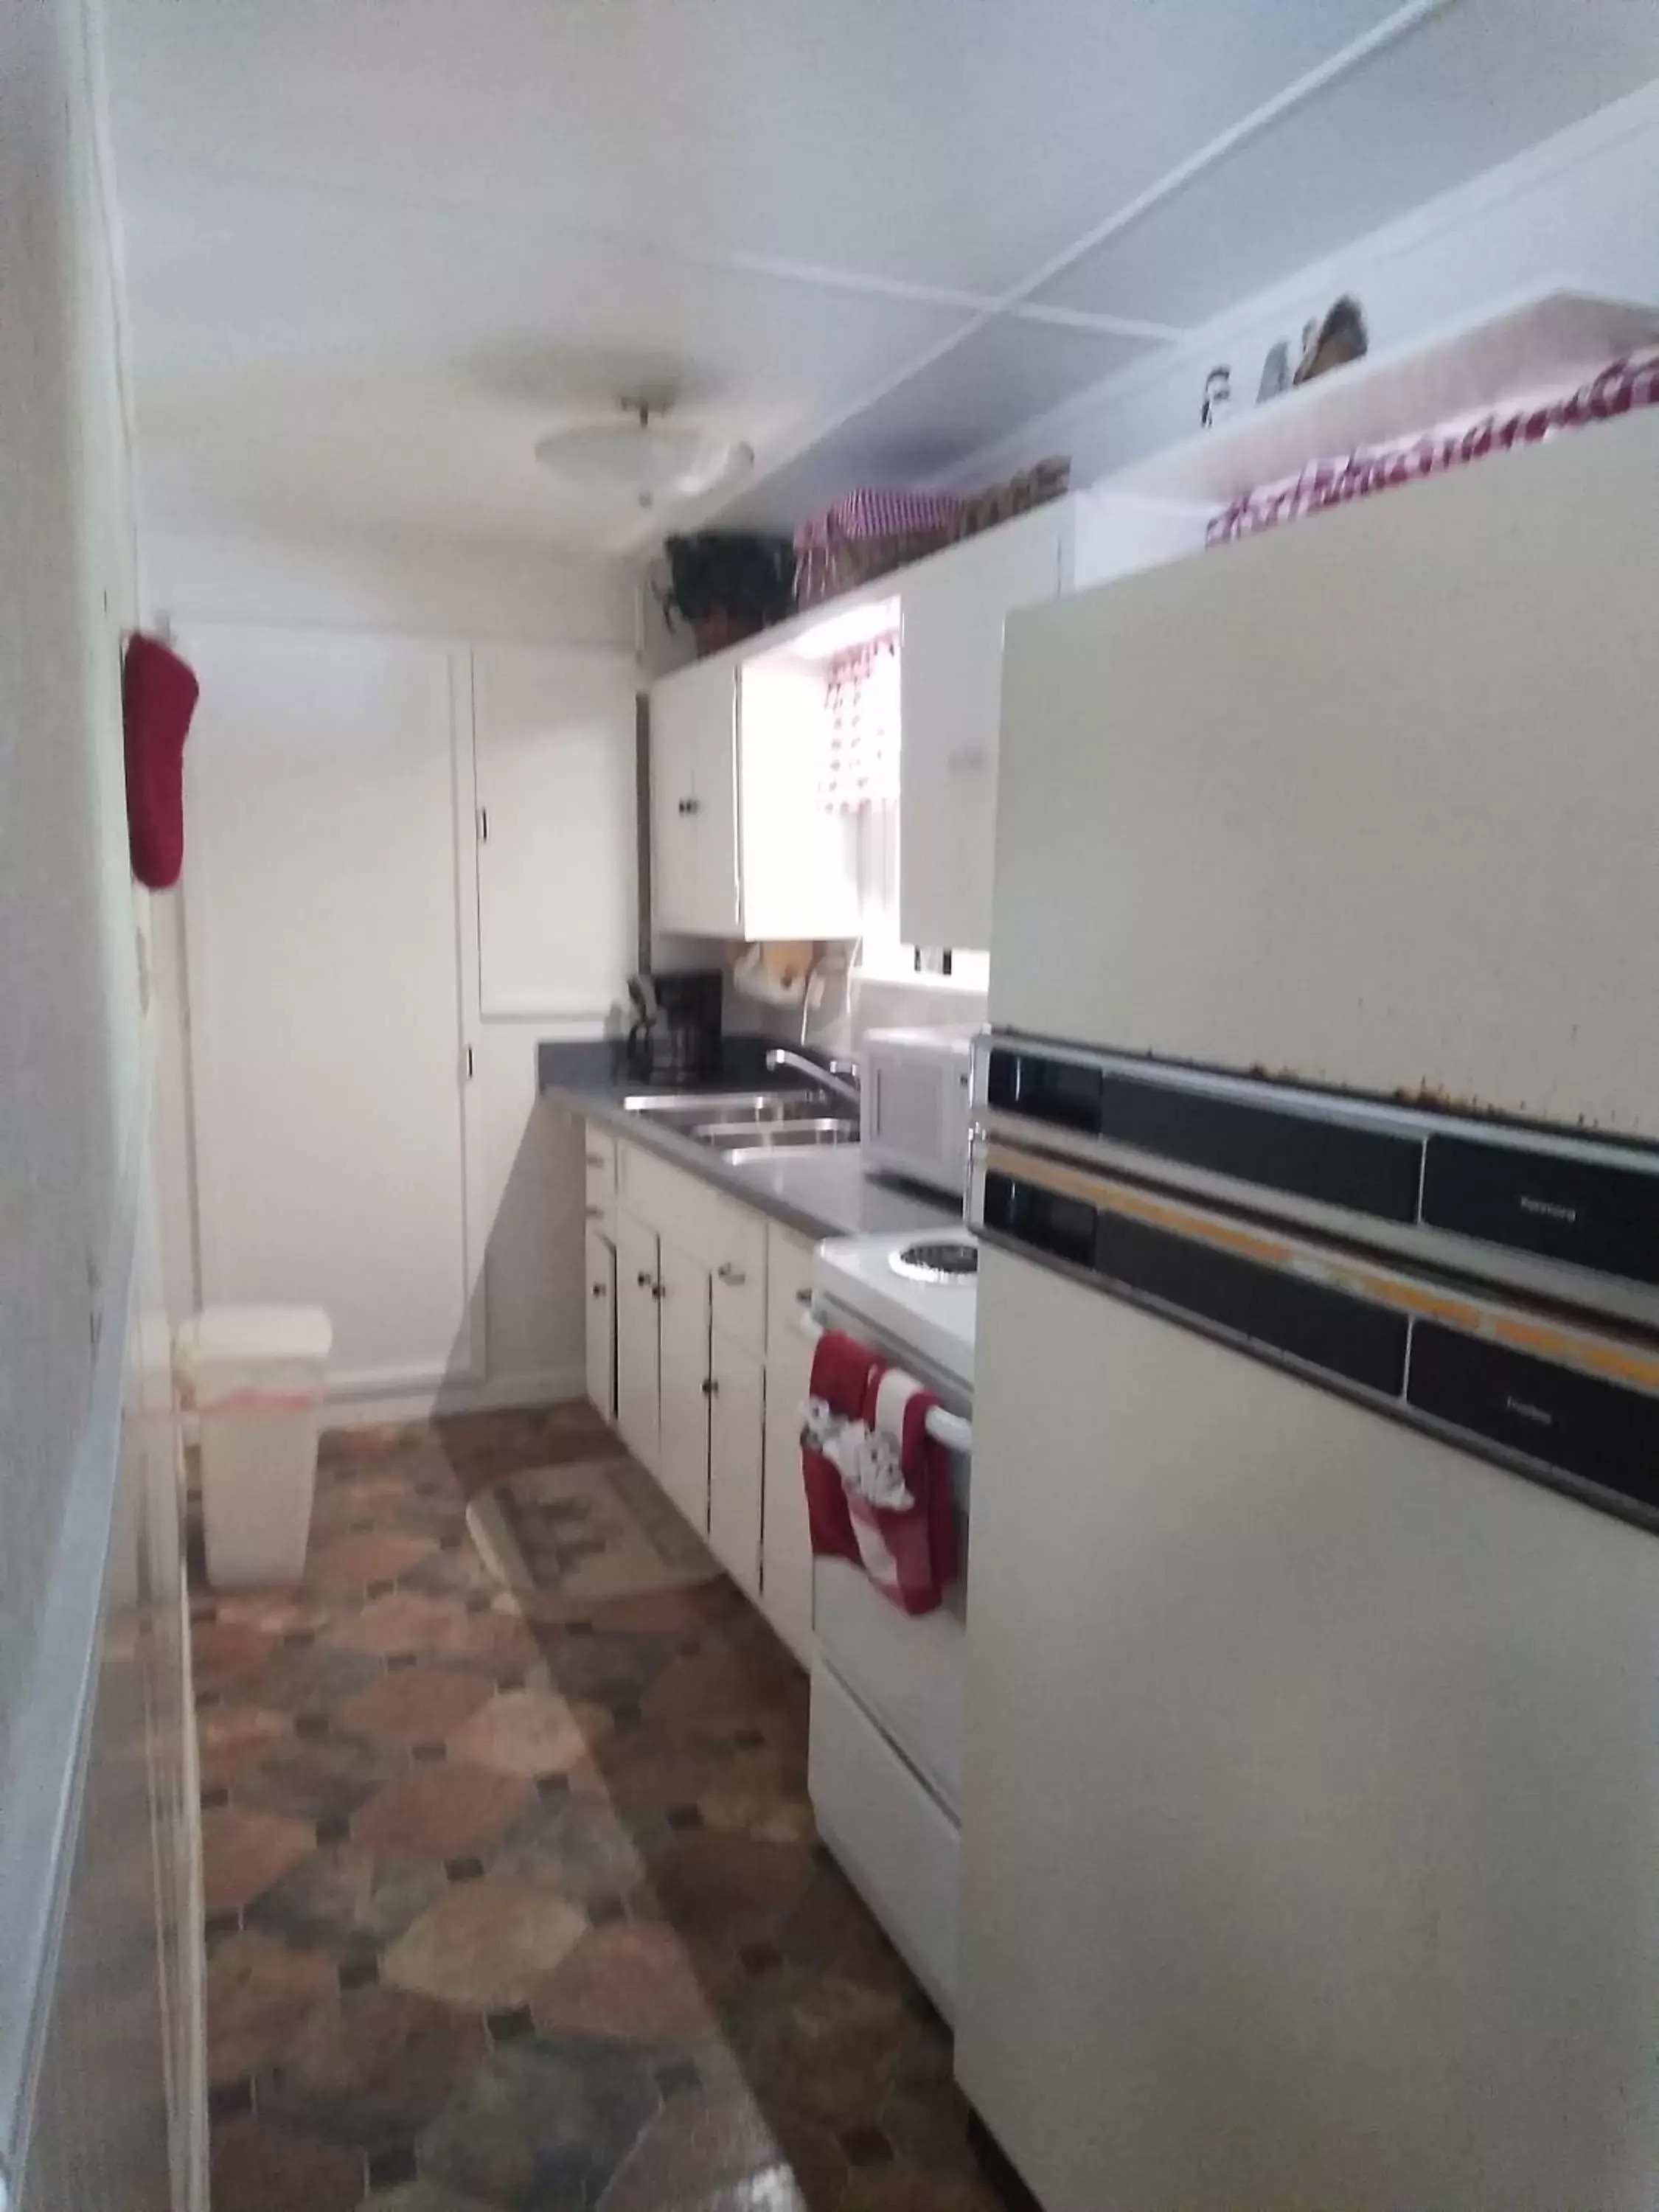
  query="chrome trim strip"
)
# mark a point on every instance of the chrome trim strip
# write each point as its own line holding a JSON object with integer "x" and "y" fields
{"x": 1391, "y": 1116}
{"x": 1599, "y": 1357}
{"x": 1556, "y": 1280}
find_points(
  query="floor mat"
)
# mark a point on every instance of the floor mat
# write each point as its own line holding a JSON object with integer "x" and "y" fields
{"x": 583, "y": 1532}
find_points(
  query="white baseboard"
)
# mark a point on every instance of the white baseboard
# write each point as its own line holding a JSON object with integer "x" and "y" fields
{"x": 552, "y": 1386}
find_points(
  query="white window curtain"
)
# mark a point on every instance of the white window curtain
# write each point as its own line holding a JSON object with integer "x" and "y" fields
{"x": 861, "y": 763}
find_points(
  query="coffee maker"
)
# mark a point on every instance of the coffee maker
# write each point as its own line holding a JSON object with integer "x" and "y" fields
{"x": 674, "y": 1038}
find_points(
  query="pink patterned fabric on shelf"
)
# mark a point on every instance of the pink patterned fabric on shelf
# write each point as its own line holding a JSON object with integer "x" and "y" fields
{"x": 874, "y": 513}
{"x": 1616, "y": 390}
{"x": 866, "y": 535}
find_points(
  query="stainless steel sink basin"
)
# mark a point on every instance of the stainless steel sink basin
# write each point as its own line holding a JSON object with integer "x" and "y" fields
{"x": 685, "y": 1108}
{"x": 738, "y": 1139}
{"x": 744, "y": 1125}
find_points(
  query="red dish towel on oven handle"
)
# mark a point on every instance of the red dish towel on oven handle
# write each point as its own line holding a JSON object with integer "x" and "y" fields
{"x": 842, "y": 1368}
{"x": 909, "y": 1554}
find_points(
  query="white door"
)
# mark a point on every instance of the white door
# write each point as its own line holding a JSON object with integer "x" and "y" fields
{"x": 683, "y": 1470}
{"x": 950, "y": 685}
{"x": 786, "y": 1556}
{"x": 324, "y": 922}
{"x": 637, "y": 1368}
{"x": 602, "y": 1325}
{"x": 694, "y": 800}
{"x": 554, "y": 739}
{"x": 736, "y": 1425}
{"x": 1367, "y": 800}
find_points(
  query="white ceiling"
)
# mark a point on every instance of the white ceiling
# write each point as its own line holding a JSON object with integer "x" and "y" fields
{"x": 376, "y": 248}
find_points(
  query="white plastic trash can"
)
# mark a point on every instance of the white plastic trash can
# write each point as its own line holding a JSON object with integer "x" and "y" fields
{"x": 255, "y": 1375}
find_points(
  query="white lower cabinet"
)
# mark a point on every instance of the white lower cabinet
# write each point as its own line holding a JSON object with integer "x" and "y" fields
{"x": 638, "y": 1417}
{"x": 736, "y": 1383}
{"x": 785, "y": 1593}
{"x": 711, "y": 1369}
{"x": 602, "y": 1325}
{"x": 682, "y": 1467}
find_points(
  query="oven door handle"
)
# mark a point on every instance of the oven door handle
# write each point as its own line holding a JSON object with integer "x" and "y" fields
{"x": 947, "y": 1429}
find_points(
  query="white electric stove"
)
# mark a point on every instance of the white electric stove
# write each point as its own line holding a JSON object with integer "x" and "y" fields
{"x": 915, "y": 1291}
{"x": 885, "y": 1764}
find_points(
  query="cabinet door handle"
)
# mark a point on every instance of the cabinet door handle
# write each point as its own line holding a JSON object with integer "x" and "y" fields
{"x": 646, "y": 1279}
{"x": 594, "y": 1212}
{"x": 599, "y": 1289}
{"x": 729, "y": 1274}
{"x": 711, "y": 1389}
{"x": 659, "y": 1293}
{"x": 594, "y": 1159}
{"x": 690, "y": 806}
{"x": 803, "y": 1297}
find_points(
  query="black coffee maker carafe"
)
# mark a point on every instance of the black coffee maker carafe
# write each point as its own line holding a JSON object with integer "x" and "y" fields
{"x": 676, "y": 1034}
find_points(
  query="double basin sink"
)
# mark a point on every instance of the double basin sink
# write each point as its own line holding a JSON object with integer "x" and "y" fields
{"x": 744, "y": 1125}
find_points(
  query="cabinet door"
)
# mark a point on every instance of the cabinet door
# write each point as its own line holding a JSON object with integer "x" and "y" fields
{"x": 599, "y": 1179}
{"x": 694, "y": 800}
{"x": 735, "y": 1427}
{"x": 553, "y": 740}
{"x": 602, "y": 1325}
{"x": 950, "y": 686}
{"x": 786, "y": 1548}
{"x": 683, "y": 1468}
{"x": 637, "y": 1308}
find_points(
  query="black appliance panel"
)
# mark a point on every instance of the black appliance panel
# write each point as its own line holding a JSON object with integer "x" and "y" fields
{"x": 1601, "y": 1432}
{"x": 1588, "y": 1212}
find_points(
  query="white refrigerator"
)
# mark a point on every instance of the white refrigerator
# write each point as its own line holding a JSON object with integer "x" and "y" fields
{"x": 1311, "y": 1783}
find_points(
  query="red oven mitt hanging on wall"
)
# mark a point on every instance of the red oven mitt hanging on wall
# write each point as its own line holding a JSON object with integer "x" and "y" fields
{"x": 158, "y": 697}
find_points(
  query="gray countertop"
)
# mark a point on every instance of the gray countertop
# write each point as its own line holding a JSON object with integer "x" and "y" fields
{"x": 820, "y": 1194}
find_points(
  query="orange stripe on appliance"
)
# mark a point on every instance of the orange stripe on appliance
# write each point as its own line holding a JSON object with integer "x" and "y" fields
{"x": 1619, "y": 1359}
{"x": 1599, "y": 1355}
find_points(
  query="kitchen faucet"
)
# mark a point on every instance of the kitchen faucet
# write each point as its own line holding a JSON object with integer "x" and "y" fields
{"x": 839, "y": 1075}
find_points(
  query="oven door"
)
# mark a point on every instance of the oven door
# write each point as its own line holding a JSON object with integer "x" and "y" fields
{"x": 905, "y": 1670}
{"x": 885, "y": 1767}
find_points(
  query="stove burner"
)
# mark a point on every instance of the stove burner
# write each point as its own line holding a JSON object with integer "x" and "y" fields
{"x": 936, "y": 1260}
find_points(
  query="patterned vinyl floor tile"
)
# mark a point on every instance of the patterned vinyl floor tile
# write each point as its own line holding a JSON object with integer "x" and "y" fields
{"x": 514, "y": 1902}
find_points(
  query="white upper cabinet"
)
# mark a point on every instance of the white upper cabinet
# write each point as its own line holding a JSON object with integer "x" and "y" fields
{"x": 950, "y": 678}
{"x": 694, "y": 800}
{"x": 741, "y": 844}
{"x": 554, "y": 750}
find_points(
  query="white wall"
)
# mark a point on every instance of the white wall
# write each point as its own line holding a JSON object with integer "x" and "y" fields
{"x": 70, "y": 1021}
{"x": 118, "y": 2120}
{"x": 374, "y": 581}
{"x": 529, "y": 1242}
{"x": 1577, "y": 213}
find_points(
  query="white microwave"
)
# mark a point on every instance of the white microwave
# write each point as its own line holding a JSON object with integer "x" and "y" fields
{"x": 914, "y": 1089}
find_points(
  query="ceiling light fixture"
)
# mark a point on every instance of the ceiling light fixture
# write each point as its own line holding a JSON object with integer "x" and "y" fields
{"x": 643, "y": 455}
